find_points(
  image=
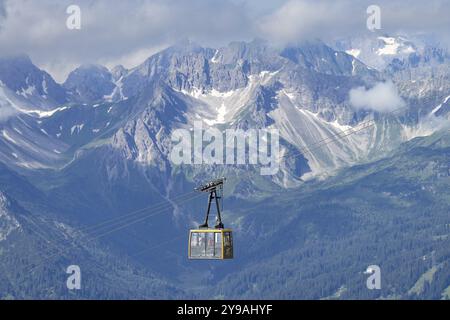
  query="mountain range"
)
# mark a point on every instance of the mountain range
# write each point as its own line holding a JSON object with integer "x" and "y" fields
{"x": 96, "y": 148}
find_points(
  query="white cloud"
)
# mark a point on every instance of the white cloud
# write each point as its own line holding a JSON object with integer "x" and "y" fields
{"x": 6, "y": 112}
{"x": 383, "y": 97}
{"x": 117, "y": 31}
{"x": 305, "y": 19}
{"x": 114, "y": 30}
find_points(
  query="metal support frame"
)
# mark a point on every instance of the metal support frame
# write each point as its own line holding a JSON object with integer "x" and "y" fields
{"x": 213, "y": 187}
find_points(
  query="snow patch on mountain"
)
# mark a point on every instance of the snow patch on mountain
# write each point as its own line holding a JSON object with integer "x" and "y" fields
{"x": 215, "y": 58}
{"x": 44, "y": 114}
{"x": 28, "y": 92}
{"x": 8, "y": 137}
{"x": 353, "y": 52}
{"x": 440, "y": 105}
{"x": 378, "y": 51}
{"x": 393, "y": 46}
{"x": 227, "y": 104}
{"x": 76, "y": 128}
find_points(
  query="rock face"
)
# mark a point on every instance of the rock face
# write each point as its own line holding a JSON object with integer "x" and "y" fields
{"x": 22, "y": 77}
{"x": 90, "y": 83}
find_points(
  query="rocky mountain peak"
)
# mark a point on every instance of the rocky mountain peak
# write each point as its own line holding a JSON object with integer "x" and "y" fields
{"x": 20, "y": 75}
{"x": 90, "y": 82}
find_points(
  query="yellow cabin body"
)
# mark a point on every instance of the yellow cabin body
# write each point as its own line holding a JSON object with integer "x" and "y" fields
{"x": 210, "y": 244}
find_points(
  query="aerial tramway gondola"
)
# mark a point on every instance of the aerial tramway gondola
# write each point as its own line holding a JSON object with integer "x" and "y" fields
{"x": 211, "y": 243}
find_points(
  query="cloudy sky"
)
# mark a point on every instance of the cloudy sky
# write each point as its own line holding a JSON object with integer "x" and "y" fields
{"x": 127, "y": 32}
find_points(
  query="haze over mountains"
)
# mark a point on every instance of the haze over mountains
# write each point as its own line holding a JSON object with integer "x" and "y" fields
{"x": 97, "y": 147}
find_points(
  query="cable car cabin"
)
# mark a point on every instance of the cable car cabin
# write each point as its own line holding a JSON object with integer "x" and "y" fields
{"x": 211, "y": 244}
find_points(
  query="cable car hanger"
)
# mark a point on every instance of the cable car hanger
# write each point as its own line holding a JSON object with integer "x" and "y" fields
{"x": 215, "y": 190}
